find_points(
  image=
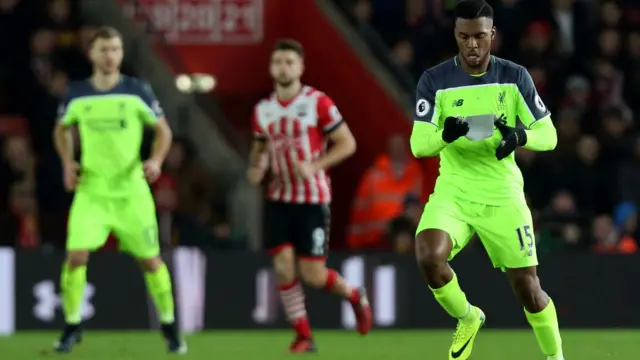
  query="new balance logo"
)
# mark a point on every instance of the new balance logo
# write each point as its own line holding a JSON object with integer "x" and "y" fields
{"x": 458, "y": 102}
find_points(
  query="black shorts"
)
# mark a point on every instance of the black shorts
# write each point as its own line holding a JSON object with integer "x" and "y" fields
{"x": 305, "y": 227}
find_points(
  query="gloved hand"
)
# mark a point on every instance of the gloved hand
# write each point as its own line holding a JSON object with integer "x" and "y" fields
{"x": 453, "y": 129}
{"x": 511, "y": 138}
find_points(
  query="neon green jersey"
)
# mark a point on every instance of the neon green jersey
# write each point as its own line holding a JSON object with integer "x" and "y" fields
{"x": 469, "y": 169}
{"x": 111, "y": 126}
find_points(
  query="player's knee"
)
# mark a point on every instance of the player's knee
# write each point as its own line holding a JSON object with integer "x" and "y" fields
{"x": 526, "y": 286}
{"x": 432, "y": 248}
{"x": 151, "y": 264}
{"x": 313, "y": 273}
{"x": 284, "y": 266}
{"x": 77, "y": 258}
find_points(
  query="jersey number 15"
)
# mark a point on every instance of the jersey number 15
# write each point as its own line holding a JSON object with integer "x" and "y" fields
{"x": 524, "y": 234}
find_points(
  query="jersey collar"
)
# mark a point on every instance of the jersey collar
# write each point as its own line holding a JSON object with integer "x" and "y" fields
{"x": 286, "y": 103}
{"x": 493, "y": 61}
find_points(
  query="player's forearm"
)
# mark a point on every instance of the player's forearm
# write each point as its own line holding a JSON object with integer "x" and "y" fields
{"x": 162, "y": 142}
{"x": 337, "y": 153}
{"x": 63, "y": 142}
{"x": 426, "y": 140}
{"x": 542, "y": 137}
{"x": 256, "y": 155}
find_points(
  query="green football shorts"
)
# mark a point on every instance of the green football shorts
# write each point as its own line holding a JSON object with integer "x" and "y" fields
{"x": 505, "y": 231}
{"x": 132, "y": 219}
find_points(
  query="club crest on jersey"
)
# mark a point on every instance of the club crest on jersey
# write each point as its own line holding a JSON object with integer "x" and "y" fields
{"x": 302, "y": 110}
{"x": 501, "y": 98}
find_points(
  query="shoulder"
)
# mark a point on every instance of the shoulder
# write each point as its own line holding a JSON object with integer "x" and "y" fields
{"x": 436, "y": 76}
{"x": 313, "y": 95}
{"x": 510, "y": 72}
{"x": 265, "y": 102}
{"x": 79, "y": 88}
{"x": 136, "y": 86}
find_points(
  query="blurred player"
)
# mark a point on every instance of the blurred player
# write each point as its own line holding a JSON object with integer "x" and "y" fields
{"x": 112, "y": 194}
{"x": 479, "y": 188}
{"x": 291, "y": 129}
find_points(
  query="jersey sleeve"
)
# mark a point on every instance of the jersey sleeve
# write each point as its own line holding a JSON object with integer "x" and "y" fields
{"x": 151, "y": 110}
{"x": 258, "y": 131}
{"x": 427, "y": 109}
{"x": 530, "y": 107}
{"x": 66, "y": 111}
{"x": 329, "y": 116}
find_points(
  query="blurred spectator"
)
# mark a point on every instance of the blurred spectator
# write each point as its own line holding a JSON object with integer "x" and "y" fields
{"x": 609, "y": 45}
{"x": 559, "y": 226}
{"x": 363, "y": 11}
{"x": 607, "y": 81}
{"x": 569, "y": 129}
{"x": 76, "y": 64}
{"x": 632, "y": 71}
{"x": 17, "y": 163}
{"x": 610, "y": 14}
{"x": 401, "y": 230}
{"x": 614, "y": 136}
{"x": 626, "y": 219}
{"x": 607, "y": 239}
{"x": 43, "y": 116}
{"x": 510, "y": 26}
{"x": 402, "y": 55}
{"x": 61, "y": 19}
{"x": 583, "y": 177}
{"x": 535, "y": 170}
{"x": 381, "y": 193}
{"x": 187, "y": 190}
{"x": 43, "y": 56}
{"x": 628, "y": 176}
{"x": 194, "y": 187}
{"x": 25, "y": 213}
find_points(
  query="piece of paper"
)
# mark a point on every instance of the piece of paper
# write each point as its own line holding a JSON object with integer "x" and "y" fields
{"x": 480, "y": 126}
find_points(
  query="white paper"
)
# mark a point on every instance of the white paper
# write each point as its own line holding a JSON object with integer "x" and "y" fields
{"x": 480, "y": 126}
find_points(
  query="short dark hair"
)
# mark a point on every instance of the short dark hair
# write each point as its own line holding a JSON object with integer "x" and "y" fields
{"x": 105, "y": 33}
{"x": 289, "y": 45}
{"x": 473, "y": 9}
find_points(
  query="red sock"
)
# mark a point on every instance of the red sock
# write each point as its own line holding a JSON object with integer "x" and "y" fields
{"x": 302, "y": 327}
{"x": 332, "y": 277}
{"x": 354, "y": 298}
{"x": 329, "y": 285}
{"x": 292, "y": 297}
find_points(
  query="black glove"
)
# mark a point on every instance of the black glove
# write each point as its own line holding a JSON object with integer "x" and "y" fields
{"x": 453, "y": 129}
{"x": 511, "y": 138}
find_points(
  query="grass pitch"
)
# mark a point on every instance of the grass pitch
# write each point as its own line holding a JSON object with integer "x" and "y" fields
{"x": 333, "y": 345}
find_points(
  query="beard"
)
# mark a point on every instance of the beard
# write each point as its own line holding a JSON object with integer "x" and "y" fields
{"x": 107, "y": 70}
{"x": 285, "y": 83}
{"x": 477, "y": 64}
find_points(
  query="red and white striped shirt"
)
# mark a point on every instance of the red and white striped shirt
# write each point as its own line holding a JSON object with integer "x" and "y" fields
{"x": 295, "y": 130}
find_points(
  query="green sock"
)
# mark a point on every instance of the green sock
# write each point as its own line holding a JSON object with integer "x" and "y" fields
{"x": 545, "y": 327}
{"x": 72, "y": 283}
{"x": 454, "y": 301}
{"x": 159, "y": 287}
